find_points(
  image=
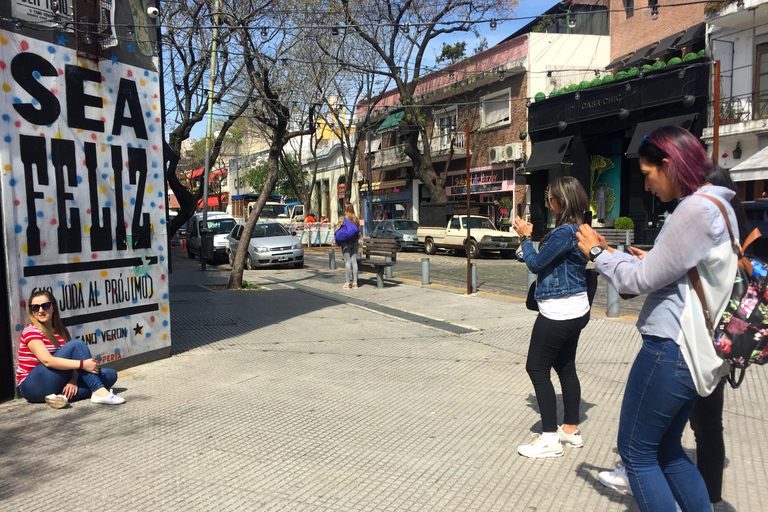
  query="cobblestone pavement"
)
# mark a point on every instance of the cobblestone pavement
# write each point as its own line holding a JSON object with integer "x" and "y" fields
{"x": 302, "y": 396}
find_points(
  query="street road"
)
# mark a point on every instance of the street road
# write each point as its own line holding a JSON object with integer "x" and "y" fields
{"x": 506, "y": 278}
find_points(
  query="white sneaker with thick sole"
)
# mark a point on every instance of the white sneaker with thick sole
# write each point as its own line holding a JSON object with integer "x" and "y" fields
{"x": 573, "y": 440}
{"x": 616, "y": 479}
{"x": 540, "y": 448}
{"x": 110, "y": 399}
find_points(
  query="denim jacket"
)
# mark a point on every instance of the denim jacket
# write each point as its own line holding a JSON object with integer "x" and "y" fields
{"x": 559, "y": 264}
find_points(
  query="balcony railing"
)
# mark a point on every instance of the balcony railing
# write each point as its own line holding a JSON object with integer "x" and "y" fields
{"x": 741, "y": 109}
{"x": 440, "y": 147}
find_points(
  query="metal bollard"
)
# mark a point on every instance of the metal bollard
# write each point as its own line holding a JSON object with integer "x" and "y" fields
{"x": 388, "y": 270}
{"x": 627, "y": 240}
{"x": 332, "y": 259}
{"x": 474, "y": 278}
{"x": 425, "y": 271}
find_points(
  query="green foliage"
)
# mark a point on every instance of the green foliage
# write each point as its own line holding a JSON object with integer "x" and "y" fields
{"x": 573, "y": 87}
{"x": 556, "y": 92}
{"x": 595, "y": 81}
{"x": 621, "y": 74}
{"x": 690, "y": 56}
{"x": 608, "y": 78}
{"x": 256, "y": 176}
{"x": 646, "y": 68}
{"x": 452, "y": 53}
{"x": 633, "y": 72}
{"x": 658, "y": 65}
{"x": 624, "y": 223}
{"x": 674, "y": 60}
{"x": 583, "y": 84}
{"x": 702, "y": 53}
{"x": 540, "y": 96}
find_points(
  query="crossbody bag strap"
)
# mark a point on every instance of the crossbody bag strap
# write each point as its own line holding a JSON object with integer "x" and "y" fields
{"x": 693, "y": 274}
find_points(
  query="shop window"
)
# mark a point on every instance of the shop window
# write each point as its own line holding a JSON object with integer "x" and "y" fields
{"x": 629, "y": 8}
{"x": 761, "y": 81}
{"x": 495, "y": 109}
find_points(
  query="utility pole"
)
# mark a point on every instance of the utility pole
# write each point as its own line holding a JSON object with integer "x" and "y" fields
{"x": 209, "y": 127}
{"x": 368, "y": 192}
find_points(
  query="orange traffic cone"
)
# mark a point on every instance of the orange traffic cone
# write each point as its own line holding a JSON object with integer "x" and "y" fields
{"x": 183, "y": 245}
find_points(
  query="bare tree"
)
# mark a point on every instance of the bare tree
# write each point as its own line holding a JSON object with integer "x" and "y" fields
{"x": 186, "y": 45}
{"x": 399, "y": 32}
{"x": 266, "y": 53}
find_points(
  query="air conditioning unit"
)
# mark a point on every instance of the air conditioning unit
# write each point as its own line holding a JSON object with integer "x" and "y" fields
{"x": 496, "y": 154}
{"x": 513, "y": 152}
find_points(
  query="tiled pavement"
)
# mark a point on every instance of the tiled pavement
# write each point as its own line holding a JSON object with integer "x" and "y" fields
{"x": 305, "y": 396}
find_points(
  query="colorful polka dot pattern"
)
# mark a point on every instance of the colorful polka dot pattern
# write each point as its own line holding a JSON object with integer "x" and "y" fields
{"x": 83, "y": 292}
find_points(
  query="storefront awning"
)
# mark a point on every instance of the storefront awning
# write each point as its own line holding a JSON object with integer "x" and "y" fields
{"x": 391, "y": 122}
{"x": 197, "y": 173}
{"x": 646, "y": 128}
{"x": 548, "y": 154}
{"x": 665, "y": 44}
{"x": 383, "y": 184}
{"x": 212, "y": 200}
{"x": 753, "y": 168}
{"x": 640, "y": 55}
{"x": 620, "y": 61}
{"x": 693, "y": 35}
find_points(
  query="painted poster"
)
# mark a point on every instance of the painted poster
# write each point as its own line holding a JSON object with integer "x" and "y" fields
{"x": 82, "y": 187}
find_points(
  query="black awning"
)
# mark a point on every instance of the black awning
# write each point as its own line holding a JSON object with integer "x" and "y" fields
{"x": 620, "y": 61}
{"x": 665, "y": 45}
{"x": 548, "y": 154}
{"x": 693, "y": 35}
{"x": 646, "y": 128}
{"x": 640, "y": 55}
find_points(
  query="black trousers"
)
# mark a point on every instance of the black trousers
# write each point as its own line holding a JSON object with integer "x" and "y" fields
{"x": 707, "y": 424}
{"x": 553, "y": 345}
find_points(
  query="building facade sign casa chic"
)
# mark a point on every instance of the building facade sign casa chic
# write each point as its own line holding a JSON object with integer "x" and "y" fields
{"x": 602, "y": 102}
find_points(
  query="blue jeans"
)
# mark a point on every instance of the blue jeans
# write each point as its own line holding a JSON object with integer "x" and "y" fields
{"x": 658, "y": 401}
{"x": 43, "y": 381}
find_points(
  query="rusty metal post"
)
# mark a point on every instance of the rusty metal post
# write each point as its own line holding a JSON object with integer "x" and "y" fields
{"x": 467, "y": 245}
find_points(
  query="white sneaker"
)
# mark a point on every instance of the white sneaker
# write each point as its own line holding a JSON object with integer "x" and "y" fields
{"x": 540, "y": 448}
{"x": 573, "y": 440}
{"x": 56, "y": 401}
{"x": 616, "y": 479}
{"x": 111, "y": 399}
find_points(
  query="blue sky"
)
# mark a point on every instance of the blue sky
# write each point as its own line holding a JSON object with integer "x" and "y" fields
{"x": 526, "y": 9}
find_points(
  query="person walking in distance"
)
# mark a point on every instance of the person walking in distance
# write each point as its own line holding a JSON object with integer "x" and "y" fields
{"x": 561, "y": 295}
{"x": 677, "y": 362}
{"x": 347, "y": 235}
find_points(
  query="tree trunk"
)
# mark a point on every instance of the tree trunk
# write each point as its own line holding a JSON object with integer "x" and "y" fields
{"x": 273, "y": 164}
{"x": 422, "y": 165}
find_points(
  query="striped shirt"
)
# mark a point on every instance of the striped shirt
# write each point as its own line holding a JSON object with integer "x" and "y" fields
{"x": 27, "y": 360}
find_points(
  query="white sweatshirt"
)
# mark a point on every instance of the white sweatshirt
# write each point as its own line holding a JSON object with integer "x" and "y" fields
{"x": 694, "y": 235}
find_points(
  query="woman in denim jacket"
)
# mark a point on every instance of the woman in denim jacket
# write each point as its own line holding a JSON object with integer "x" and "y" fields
{"x": 561, "y": 294}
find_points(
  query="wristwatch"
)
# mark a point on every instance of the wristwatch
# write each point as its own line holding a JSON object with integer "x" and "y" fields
{"x": 595, "y": 252}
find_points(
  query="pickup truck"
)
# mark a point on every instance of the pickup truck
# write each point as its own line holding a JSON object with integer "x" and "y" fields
{"x": 484, "y": 237}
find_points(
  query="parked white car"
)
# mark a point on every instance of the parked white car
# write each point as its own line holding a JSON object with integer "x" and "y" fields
{"x": 271, "y": 245}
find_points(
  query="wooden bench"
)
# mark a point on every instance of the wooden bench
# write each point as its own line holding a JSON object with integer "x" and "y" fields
{"x": 378, "y": 255}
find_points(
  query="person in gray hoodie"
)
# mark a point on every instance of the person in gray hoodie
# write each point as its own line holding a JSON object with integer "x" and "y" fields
{"x": 677, "y": 362}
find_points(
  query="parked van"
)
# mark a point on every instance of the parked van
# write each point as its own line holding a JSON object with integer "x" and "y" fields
{"x": 219, "y": 226}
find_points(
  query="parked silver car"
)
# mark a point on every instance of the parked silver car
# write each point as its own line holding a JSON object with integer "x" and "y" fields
{"x": 403, "y": 231}
{"x": 271, "y": 245}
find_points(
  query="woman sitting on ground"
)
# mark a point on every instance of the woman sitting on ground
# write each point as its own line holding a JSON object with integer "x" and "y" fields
{"x": 68, "y": 372}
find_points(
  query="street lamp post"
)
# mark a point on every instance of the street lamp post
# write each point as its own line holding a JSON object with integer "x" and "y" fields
{"x": 209, "y": 127}
{"x": 368, "y": 191}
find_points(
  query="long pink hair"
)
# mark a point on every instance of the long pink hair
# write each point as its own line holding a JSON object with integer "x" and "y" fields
{"x": 688, "y": 160}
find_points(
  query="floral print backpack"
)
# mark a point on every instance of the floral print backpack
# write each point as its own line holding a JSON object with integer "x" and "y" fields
{"x": 741, "y": 335}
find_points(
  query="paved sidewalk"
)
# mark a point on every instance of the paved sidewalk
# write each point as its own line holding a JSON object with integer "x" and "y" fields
{"x": 305, "y": 396}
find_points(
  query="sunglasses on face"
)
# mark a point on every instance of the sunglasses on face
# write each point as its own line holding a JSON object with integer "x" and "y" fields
{"x": 36, "y": 307}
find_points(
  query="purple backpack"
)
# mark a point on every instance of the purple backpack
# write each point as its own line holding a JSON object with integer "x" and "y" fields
{"x": 347, "y": 233}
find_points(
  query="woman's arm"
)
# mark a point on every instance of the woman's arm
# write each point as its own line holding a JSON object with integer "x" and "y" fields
{"x": 558, "y": 243}
{"x": 38, "y": 348}
{"x": 685, "y": 242}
